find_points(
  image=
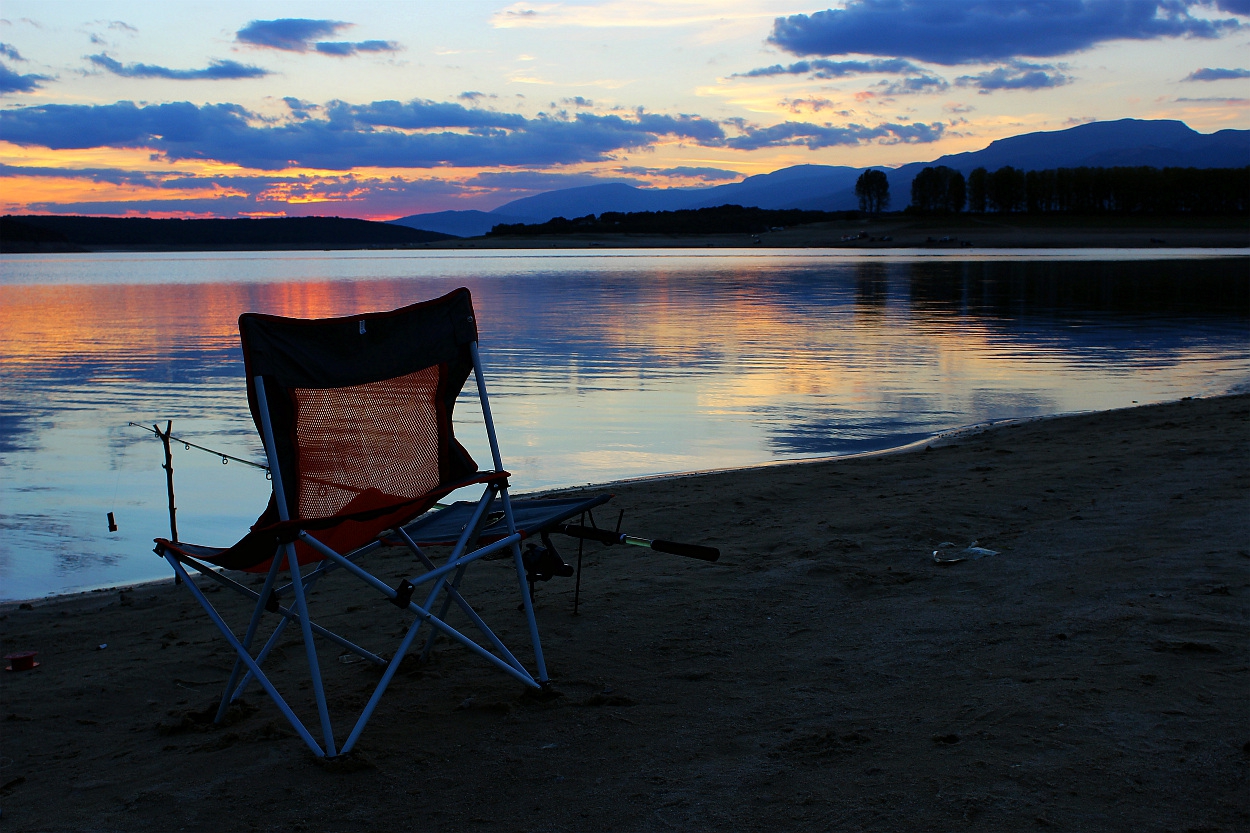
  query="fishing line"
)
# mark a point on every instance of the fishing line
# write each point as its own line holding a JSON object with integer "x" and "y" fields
{"x": 187, "y": 444}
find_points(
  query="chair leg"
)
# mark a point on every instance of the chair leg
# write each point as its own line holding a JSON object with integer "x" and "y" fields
{"x": 452, "y": 587}
{"x": 241, "y": 652}
{"x": 529, "y": 614}
{"x": 227, "y": 695}
{"x": 310, "y": 648}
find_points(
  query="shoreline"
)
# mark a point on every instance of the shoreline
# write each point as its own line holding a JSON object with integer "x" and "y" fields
{"x": 826, "y": 673}
{"x": 940, "y": 437}
{"x": 935, "y": 234}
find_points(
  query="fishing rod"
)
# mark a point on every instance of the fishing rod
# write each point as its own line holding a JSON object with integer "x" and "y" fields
{"x": 165, "y": 436}
{"x": 608, "y": 538}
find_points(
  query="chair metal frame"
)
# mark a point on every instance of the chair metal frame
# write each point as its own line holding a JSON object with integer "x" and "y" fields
{"x": 441, "y": 579}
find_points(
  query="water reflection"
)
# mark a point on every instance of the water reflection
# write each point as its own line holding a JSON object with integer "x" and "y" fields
{"x": 600, "y": 368}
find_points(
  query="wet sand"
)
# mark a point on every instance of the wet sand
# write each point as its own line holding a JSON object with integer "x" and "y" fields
{"x": 826, "y": 674}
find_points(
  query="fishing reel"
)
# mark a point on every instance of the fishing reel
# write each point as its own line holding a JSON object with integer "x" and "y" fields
{"x": 542, "y": 563}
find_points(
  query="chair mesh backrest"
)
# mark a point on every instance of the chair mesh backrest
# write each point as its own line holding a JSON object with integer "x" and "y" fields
{"x": 361, "y": 406}
{"x": 379, "y": 435}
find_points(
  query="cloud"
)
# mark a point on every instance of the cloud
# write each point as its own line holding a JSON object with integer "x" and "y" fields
{"x": 300, "y": 109}
{"x": 577, "y": 101}
{"x": 350, "y": 136}
{"x": 112, "y": 176}
{"x": 418, "y": 115}
{"x": 1241, "y": 7}
{"x": 813, "y": 104}
{"x": 972, "y": 31}
{"x": 225, "y": 196}
{"x": 1232, "y": 102}
{"x": 815, "y": 136}
{"x": 12, "y": 82}
{"x": 1016, "y": 76}
{"x": 833, "y": 69}
{"x": 343, "y": 49}
{"x": 9, "y": 51}
{"x": 913, "y": 86}
{"x": 297, "y": 34}
{"x": 683, "y": 172}
{"x": 528, "y": 182}
{"x": 624, "y": 14}
{"x": 217, "y": 70}
{"x": 1206, "y": 74}
{"x": 290, "y": 34}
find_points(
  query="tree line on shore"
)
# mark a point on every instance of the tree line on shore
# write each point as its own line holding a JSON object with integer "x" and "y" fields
{"x": 943, "y": 190}
{"x": 72, "y": 233}
{"x": 1119, "y": 190}
{"x": 722, "y": 219}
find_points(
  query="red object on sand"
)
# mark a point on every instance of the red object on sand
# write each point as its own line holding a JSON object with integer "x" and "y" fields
{"x": 21, "y": 661}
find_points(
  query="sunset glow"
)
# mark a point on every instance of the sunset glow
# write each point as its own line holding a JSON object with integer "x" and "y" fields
{"x": 233, "y": 109}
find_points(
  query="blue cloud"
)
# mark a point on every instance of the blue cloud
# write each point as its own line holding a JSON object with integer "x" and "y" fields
{"x": 834, "y": 69}
{"x": 418, "y": 114}
{"x": 12, "y": 82}
{"x": 697, "y": 128}
{"x": 528, "y": 182}
{"x": 815, "y": 136}
{"x": 113, "y": 176}
{"x": 1231, "y": 102}
{"x": 301, "y": 35}
{"x": 345, "y": 136}
{"x": 1241, "y": 7}
{"x": 684, "y": 172}
{"x": 242, "y": 196}
{"x": 914, "y": 85}
{"x": 1206, "y": 74}
{"x": 290, "y": 34}
{"x": 343, "y": 48}
{"x": 990, "y": 30}
{"x": 216, "y": 70}
{"x": 351, "y": 136}
{"x": 9, "y": 51}
{"x": 1018, "y": 75}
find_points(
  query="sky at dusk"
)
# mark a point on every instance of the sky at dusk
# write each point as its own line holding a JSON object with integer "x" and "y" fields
{"x": 384, "y": 109}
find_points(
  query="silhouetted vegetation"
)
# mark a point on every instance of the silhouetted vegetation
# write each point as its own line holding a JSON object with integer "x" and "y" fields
{"x": 40, "y": 233}
{"x": 939, "y": 189}
{"x": 1140, "y": 190}
{"x": 723, "y": 219}
{"x": 873, "y": 190}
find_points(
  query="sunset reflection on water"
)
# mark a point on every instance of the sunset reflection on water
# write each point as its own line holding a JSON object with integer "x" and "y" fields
{"x": 600, "y": 368}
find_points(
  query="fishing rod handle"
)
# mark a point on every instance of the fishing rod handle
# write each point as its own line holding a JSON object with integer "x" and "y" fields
{"x": 689, "y": 550}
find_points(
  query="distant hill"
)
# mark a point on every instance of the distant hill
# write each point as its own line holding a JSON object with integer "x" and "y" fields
{"x": 811, "y": 185}
{"x": 43, "y": 233}
{"x": 596, "y": 199}
{"x": 1127, "y": 142}
{"x": 458, "y": 223}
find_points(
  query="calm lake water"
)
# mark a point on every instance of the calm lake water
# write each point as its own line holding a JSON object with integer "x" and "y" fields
{"x": 601, "y": 365}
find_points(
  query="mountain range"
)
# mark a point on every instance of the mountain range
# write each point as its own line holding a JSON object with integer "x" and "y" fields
{"x": 1127, "y": 142}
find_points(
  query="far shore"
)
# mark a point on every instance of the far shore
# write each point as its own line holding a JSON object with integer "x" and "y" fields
{"x": 892, "y": 232}
{"x": 887, "y": 232}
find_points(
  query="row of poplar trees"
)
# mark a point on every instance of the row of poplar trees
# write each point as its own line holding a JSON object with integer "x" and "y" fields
{"x": 1136, "y": 190}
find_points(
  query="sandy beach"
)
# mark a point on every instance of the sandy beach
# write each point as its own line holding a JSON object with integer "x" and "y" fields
{"x": 825, "y": 674}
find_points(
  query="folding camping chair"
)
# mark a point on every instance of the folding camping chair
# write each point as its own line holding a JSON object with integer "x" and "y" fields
{"x": 356, "y": 418}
